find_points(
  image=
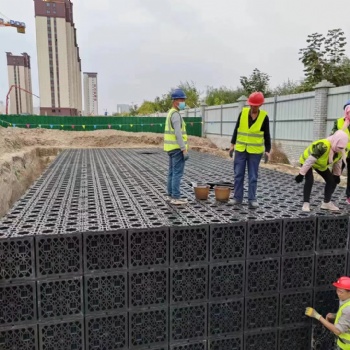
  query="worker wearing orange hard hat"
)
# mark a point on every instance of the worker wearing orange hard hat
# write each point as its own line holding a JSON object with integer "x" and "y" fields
{"x": 338, "y": 323}
{"x": 250, "y": 139}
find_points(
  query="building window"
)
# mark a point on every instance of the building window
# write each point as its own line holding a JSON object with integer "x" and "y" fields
{"x": 48, "y": 4}
{"x": 48, "y": 11}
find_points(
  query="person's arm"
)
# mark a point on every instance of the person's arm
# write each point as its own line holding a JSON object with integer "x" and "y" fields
{"x": 234, "y": 136}
{"x": 335, "y": 127}
{"x": 318, "y": 150}
{"x": 176, "y": 122}
{"x": 314, "y": 314}
{"x": 267, "y": 137}
{"x": 337, "y": 167}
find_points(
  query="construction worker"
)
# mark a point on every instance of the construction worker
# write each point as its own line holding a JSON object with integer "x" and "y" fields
{"x": 318, "y": 156}
{"x": 175, "y": 143}
{"x": 338, "y": 323}
{"x": 250, "y": 139}
{"x": 339, "y": 125}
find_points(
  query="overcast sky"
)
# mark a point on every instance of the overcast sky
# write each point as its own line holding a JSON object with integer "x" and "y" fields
{"x": 142, "y": 48}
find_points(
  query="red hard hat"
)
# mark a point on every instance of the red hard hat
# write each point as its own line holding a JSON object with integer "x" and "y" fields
{"x": 256, "y": 99}
{"x": 343, "y": 283}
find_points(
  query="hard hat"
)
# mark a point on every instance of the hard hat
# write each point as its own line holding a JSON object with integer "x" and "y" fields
{"x": 177, "y": 93}
{"x": 256, "y": 99}
{"x": 343, "y": 283}
{"x": 347, "y": 103}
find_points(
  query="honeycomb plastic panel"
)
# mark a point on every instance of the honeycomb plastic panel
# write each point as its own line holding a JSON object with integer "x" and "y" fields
{"x": 59, "y": 298}
{"x": 148, "y": 327}
{"x": 261, "y": 312}
{"x": 322, "y": 338}
{"x": 264, "y": 238}
{"x": 148, "y": 288}
{"x": 188, "y": 284}
{"x": 227, "y": 343}
{"x": 192, "y": 346}
{"x": 105, "y": 292}
{"x": 58, "y": 255}
{"x": 297, "y": 272}
{"x": 18, "y": 303}
{"x": 189, "y": 244}
{"x": 261, "y": 340}
{"x": 226, "y": 317}
{"x": 148, "y": 247}
{"x": 262, "y": 275}
{"x": 332, "y": 233}
{"x": 107, "y": 332}
{"x": 298, "y": 236}
{"x": 326, "y": 301}
{"x": 329, "y": 267}
{"x": 227, "y": 242}
{"x": 188, "y": 322}
{"x": 295, "y": 338}
{"x": 226, "y": 280}
{"x": 63, "y": 335}
{"x": 105, "y": 251}
{"x": 17, "y": 260}
{"x": 21, "y": 338}
{"x": 292, "y": 307}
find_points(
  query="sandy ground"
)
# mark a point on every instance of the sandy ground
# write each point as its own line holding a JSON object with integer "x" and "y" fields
{"x": 24, "y": 153}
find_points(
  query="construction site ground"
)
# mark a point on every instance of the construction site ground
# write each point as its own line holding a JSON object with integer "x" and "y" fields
{"x": 25, "y": 153}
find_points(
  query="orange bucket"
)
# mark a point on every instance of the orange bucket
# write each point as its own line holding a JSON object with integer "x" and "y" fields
{"x": 222, "y": 193}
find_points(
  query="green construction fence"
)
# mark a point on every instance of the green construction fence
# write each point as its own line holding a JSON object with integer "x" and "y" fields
{"x": 133, "y": 124}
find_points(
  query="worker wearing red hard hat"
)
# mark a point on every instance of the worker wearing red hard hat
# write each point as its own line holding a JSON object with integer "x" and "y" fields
{"x": 250, "y": 139}
{"x": 338, "y": 323}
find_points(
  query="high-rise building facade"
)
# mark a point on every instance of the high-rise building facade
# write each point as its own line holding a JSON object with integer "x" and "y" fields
{"x": 90, "y": 94}
{"x": 59, "y": 64}
{"x": 19, "y": 76}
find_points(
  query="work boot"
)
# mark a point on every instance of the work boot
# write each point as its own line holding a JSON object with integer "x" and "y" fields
{"x": 178, "y": 201}
{"x": 236, "y": 201}
{"x": 253, "y": 205}
{"x": 306, "y": 206}
{"x": 329, "y": 206}
{"x": 168, "y": 198}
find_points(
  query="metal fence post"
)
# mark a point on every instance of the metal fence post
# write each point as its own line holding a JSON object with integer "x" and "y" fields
{"x": 203, "y": 105}
{"x": 221, "y": 119}
{"x": 274, "y": 118}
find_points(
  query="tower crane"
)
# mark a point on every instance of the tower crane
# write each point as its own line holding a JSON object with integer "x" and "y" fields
{"x": 5, "y": 22}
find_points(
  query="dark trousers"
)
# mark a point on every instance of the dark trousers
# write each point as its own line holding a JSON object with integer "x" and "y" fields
{"x": 329, "y": 187}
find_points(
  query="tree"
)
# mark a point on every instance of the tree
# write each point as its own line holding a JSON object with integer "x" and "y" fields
{"x": 324, "y": 58}
{"x": 258, "y": 81}
{"x": 192, "y": 94}
{"x": 222, "y": 95}
{"x": 147, "y": 107}
{"x": 286, "y": 88}
{"x": 133, "y": 110}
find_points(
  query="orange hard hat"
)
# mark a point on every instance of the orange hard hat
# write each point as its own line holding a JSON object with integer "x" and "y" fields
{"x": 343, "y": 283}
{"x": 256, "y": 99}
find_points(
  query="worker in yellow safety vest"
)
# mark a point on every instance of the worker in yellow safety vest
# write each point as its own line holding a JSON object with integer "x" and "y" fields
{"x": 250, "y": 139}
{"x": 341, "y": 124}
{"x": 338, "y": 323}
{"x": 176, "y": 145}
{"x": 319, "y": 156}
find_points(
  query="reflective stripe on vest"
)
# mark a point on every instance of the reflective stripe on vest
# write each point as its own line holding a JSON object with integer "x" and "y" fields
{"x": 322, "y": 162}
{"x": 170, "y": 141}
{"x": 344, "y": 338}
{"x": 250, "y": 139}
{"x": 340, "y": 123}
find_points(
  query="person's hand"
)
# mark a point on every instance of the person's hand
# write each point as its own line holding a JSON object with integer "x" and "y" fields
{"x": 336, "y": 179}
{"x": 330, "y": 317}
{"x": 312, "y": 313}
{"x": 267, "y": 154}
{"x": 230, "y": 152}
{"x": 186, "y": 155}
{"x": 299, "y": 178}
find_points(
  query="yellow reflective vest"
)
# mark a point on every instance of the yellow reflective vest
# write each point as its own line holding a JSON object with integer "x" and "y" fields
{"x": 340, "y": 123}
{"x": 250, "y": 139}
{"x": 322, "y": 162}
{"x": 170, "y": 141}
{"x": 344, "y": 338}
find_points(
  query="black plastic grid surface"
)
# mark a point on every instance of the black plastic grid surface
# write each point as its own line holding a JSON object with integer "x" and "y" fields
{"x": 106, "y": 331}
{"x": 261, "y": 340}
{"x": 191, "y": 346}
{"x": 17, "y": 259}
{"x": 226, "y": 280}
{"x": 21, "y": 338}
{"x": 294, "y": 338}
{"x": 18, "y": 303}
{"x": 228, "y": 242}
{"x": 189, "y": 245}
{"x": 225, "y": 317}
{"x": 58, "y": 255}
{"x": 148, "y": 288}
{"x": 227, "y": 343}
{"x": 105, "y": 292}
{"x": 60, "y": 298}
{"x": 264, "y": 238}
{"x": 188, "y": 284}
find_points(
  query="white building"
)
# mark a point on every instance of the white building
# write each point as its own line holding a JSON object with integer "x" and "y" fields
{"x": 123, "y": 108}
{"x": 59, "y": 64}
{"x": 90, "y": 94}
{"x": 2, "y": 107}
{"x": 20, "y": 83}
